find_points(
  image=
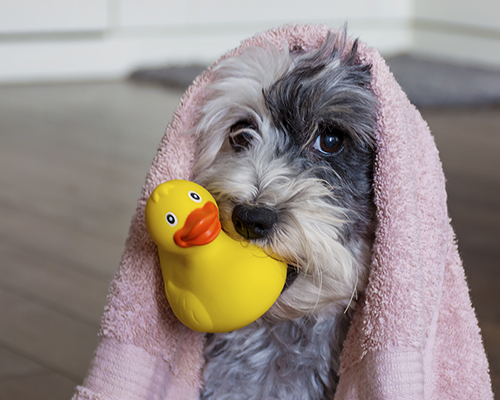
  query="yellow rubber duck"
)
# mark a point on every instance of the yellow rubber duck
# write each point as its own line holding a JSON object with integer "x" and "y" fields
{"x": 213, "y": 283}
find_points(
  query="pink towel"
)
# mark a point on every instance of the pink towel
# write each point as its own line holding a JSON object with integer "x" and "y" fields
{"x": 414, "y": 334}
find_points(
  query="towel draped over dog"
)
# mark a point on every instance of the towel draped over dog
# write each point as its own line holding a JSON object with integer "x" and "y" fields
{"x": 414, "y": 334}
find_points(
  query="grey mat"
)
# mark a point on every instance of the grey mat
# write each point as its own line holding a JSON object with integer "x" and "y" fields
{"x": 171, "y": 77}
{"x": 427, "y": 82}
{"x": 433, "y": 83}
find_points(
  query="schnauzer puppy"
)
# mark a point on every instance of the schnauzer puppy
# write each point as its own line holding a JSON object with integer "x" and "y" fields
{"x": 286, "y": 145}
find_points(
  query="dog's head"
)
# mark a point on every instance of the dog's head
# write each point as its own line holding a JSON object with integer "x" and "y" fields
{"x": 285, "y": 143}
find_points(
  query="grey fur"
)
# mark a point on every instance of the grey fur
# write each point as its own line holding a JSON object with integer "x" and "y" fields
{"x": 260, "y": 146}
{"x": 286, "y": 360}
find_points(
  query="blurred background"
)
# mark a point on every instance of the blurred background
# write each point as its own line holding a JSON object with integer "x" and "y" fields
{"x": 86, "y": 91}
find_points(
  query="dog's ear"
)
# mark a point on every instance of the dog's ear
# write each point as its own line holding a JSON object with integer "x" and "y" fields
{"x": 235, "y": 94}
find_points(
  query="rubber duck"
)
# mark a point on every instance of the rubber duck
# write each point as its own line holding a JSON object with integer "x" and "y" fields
{"x": 213, "y": 283}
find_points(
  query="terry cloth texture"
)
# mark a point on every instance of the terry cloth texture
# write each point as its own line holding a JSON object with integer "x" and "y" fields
{"x": 414, "y": 334}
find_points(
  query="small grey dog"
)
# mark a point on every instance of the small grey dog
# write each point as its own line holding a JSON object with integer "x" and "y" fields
{"x": 286, "y": 145}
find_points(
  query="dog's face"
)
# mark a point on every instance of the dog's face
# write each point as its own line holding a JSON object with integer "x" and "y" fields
{"x": 286, "y": 147}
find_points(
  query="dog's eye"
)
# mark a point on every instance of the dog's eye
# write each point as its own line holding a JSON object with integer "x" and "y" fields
{"x": 241, "y": 135}
{"x": 240, "y": 141}
{"x": 330, "y": 142}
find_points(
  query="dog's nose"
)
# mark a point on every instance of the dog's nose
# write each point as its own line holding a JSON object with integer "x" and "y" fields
{"x": 253, "y": 222}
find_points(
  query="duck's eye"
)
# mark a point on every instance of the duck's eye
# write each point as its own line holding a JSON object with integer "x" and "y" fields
{"x": 195, "y": 196}
{"x": 330, "y": 141}
{"x": 241, "y": 135}
{"x": 171, "y": 219}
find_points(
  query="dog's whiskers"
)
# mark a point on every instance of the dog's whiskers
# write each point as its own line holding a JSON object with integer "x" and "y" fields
{"x": 354, "y": 294}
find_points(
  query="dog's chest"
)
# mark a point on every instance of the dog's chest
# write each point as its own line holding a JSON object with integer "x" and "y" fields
{"x": 291, "y": 360}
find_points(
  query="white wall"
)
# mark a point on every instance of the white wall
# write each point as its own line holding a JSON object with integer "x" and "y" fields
{"x": 463, "y": 30}
{"x": 89, "y": 39}
{"x": 96, "y": 39}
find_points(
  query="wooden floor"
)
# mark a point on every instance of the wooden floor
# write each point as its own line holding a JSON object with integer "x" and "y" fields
{"x": 72, "y": 162}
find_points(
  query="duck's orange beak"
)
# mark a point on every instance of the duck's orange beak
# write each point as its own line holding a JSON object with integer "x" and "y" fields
{"x": 202, "y": 227}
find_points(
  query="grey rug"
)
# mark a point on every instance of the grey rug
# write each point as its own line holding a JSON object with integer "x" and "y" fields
{"x": 176, "y": 77}
{"x": 428, "y": 83}
{"x": 433, "y": 83}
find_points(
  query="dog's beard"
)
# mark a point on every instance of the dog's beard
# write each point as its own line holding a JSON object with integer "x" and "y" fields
{"x": 257, "y": 146}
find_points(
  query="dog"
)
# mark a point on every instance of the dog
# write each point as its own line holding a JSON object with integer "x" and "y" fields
{"x": 285, "y": 142}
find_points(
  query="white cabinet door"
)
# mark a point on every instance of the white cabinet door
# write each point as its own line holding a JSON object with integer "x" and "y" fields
{"x": 34, "y": 16}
